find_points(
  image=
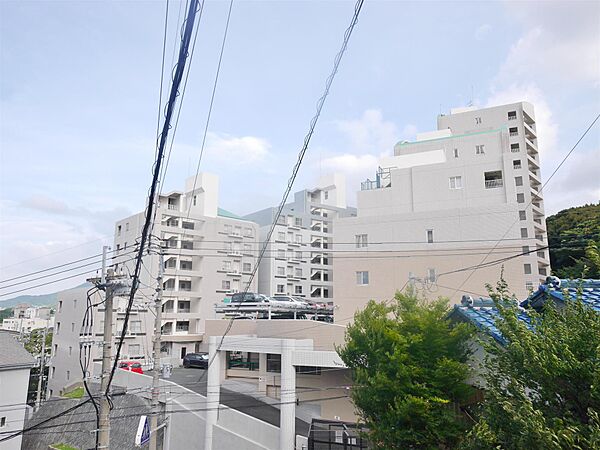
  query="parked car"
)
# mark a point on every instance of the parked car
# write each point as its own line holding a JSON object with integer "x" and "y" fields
{"x": 196, "y": 360}
{"x": 248, "y": 297}
{"x": 132, "y": 366}
{"x": 295, "y": 302}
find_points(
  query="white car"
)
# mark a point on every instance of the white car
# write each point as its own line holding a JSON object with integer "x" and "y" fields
{"x": 293, "y": 302}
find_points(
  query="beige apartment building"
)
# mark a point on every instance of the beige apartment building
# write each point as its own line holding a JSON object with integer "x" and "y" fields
{"x": 209, "y": 253}
{"x": 466, "y": 194}
{"x": 297, "y": 260}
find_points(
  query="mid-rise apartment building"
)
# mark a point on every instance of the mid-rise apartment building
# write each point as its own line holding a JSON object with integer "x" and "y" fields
{"x": 209, "y": 253}
{"x": 466, "y": 194}
{"x": 27, "y": 318}
{"x": 297, "y": 260}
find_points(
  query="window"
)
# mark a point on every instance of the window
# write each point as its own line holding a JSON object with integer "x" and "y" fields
{"x": 53, "y": 372}
{"x": 68, "y": 375}
{"x": 57, "y": 327}
{"x": 429, "y": 236}
{"x": 125, "y": 246}
{"x": 59, "y": 305}
{"x": 480, "y": 149}
{"x": 280, "y": 288}
{"x": 187, "y": 225}
{"x": 514, "y": 148}
{"x": 522, "y": 215}
{"x": 247, "y": 248}
{"x": 517, "y": 164}
{"x": 227, "y": 265}
{"x": 281, "y": 271}
{"x": 520, "y": 198}
{"x": 2, "y": 421}
{"x": 55, "y": 349}
{"x": 134, "y": 349}
{"x": 194, "y": 201}
{"x": 298, "y": 290}
{"x": 518, "y": 181}
{"x": 477, "y": 120}
{"x": 513, "y": 131}
{"x": 135, "y": 326}
{"x": 298, "y": 272}
{"x": 226, "y": 285}
{"x": 298, "y": 221}
{"x": 456, "y": 183}
{"x": 290, "y": 237}
{"x": 542, "y": 271}
{"x": 127, "y": 226}
{"x": 512, "y": 115}
{"x": 247, "y": 267}
{"x": 524, "y": 233}
{"x": 185, "y": 265}
{"x": 525, "y": 249}
{"x": 431, "y": 276}
{"x": 326, "y": 195}
{"x": 281, "y": 236}
{"x": 281, "y": 253}
{"x": 529, "y": 286}
{"x": 70, "y": 350}
{"x": 298, "y": 239}
{"x": 118, "y": 230}
{"x": 74, "y": 304}
{"x": 185, "y": 285}
{"x": 237, "y": 230}
{"x": 456, "y": 153}
{"x": 187, "y": 245}
{"x": 361, "y": 240}
{"x": 298, "y": 255}
{"x": 182, "y": 326}
{"x": 228, "y": 229}
{"x": 248, "y": 232}
{"x": 72, "y": 327}
{"x": 527, "y": 269}
{"x": 493, "y": 179}
{"x": 362, "y": 278}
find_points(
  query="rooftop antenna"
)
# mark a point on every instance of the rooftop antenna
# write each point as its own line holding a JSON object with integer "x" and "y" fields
{"x": 471, "y": 101}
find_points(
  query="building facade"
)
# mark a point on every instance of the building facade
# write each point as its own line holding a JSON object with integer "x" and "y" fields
{"x": 28, "y": 318}
{"x": 297, "y": 260}
{"x": 15, "y": 365}
{"x": 209, "y": 253}
{"x": 447, "y": 213}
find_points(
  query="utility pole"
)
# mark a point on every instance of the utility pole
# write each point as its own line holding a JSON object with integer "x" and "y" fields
{"x": 38, "y": 399}
{"x": 156, "y": 354}
{"x": 104, "y": 429}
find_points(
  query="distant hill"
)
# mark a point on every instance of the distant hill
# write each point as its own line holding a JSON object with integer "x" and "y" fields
{"x": 37, "y": 300}
{"x": 571, "y": 234}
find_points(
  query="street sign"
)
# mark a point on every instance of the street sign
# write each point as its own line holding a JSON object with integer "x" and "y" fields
{"x": 143, "y": 432}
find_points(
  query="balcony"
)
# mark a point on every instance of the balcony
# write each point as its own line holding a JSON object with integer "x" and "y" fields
{"x": 492, "y": 184}
{"x": 172, "y": 207}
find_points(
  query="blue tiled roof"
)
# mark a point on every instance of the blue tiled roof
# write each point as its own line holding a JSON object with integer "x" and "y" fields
{"x": 483, "y": 315}
{"x": 590, "y": 293}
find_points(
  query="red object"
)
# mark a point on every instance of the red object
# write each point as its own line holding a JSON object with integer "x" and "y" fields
{"x": 132, "y": 366}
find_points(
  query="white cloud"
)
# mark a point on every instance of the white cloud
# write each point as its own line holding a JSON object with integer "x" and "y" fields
{"x": 351, "y": 164}
{"x": 561, "y": 40}
{"x": 482, "y": 31}
{"x": 236, "y": 150}
{"x": 370, "y": 133}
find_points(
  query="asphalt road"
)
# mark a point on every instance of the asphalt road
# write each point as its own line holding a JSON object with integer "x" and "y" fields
{"x": 190, "y": 378}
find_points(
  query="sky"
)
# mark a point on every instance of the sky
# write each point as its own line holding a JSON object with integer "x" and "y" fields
{"x": 79, "y": 91}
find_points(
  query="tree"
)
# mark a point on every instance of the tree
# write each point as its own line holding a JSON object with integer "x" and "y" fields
{"x": 33, "y": 341}
{"x": 409, "y": 368}
{"x": 543, "y": 386}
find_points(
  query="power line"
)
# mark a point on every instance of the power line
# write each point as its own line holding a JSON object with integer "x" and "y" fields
{"x": 183, "y": 56}
{"x": 302, "y": 152}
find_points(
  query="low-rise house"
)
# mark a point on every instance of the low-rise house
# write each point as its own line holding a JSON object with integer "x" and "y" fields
{"x": 15, "y": 365}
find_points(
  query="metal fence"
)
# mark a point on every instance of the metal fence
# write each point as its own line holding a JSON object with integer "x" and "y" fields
{"x": 335, "y": 435}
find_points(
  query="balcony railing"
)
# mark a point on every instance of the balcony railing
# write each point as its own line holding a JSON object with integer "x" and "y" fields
{"x": 491, "y": 184}
{"x": 172, "y": 207}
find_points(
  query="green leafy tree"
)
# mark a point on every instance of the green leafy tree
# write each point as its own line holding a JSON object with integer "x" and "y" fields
{"x": 543, "y": 386}
{"x": 409, "y": 368}
{"x": 33, "y": 341}
{"x": 571, "y": 234}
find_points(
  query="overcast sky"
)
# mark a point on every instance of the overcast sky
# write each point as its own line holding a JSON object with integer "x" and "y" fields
{"x": 79, "y": 85}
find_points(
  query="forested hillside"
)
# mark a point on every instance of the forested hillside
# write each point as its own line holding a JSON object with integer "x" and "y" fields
{"x": 574, "y": 239}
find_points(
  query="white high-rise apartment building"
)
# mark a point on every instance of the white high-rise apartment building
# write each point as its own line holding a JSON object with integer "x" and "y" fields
{"x": 298, "y": 260}
{"x": 209, "y": 254}
{"x": 462, "y": 195}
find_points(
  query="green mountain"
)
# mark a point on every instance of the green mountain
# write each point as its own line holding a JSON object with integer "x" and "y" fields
{"x": 37, "y": 300}
{"x": 574, "y": 239}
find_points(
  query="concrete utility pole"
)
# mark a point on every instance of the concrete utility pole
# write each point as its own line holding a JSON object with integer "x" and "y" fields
{"x": 156, "y": 355}
{"x": 38, "y": 399}
{"x": 104, "y": 430}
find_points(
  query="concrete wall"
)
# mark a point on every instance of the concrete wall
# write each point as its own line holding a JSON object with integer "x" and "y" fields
{"x": 13, "y": 393}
